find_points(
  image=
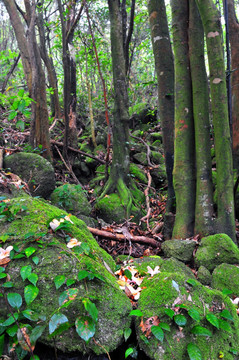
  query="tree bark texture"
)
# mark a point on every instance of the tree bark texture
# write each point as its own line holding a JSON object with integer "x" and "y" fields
{"x": 234, "y": 42}
{"x": 225, "y": 200}
{"x": 184, "y": 160}
{"x": 204, "y": 190}
{"x": 164, "y": 66}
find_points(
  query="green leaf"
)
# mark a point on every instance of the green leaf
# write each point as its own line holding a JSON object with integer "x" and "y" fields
{"x": 21, "y": 105}
{"x": 12, "y": 115}
{"x": 33, "y": 278}
{"x": 10, "y": 320}
{"x": 2, "y": 269}
{"x": 194, "y": 352}
{"x": 127, "y": 333}
{"x": 15, "y": 300}
{"x": 35, "y": 259}
{"x": 21, "y": 93}
{"x": 30, "y": 293}
{"x": 224, "y": 325}
{"x": 91, "y": 308}
{"x": 136, "y": 312}
{"x": 30, "y": 315}
{"x": 192, "y": 282}
{"x": 157, "y": 332}
{"x": 83, "y": 274}
{"x": 202, "y": 331}
{"x": 37, "y": 333}
{"x": 129, "y": 351}
{"x": 213, "y": 320}
{"x": 226, "y": 315}
{"x": 8, "y": 284}
{"x": 164, "y": 326}
{"x": 180, "y": 320}
{"x": 2, "y": 275}
{"x": 128, "y": 274}
{"x": 70, "y": 282}
{"x": 2, "y": 344}
{"x": 85, "y": 327}
{"x": 226, "y": 292}
{"x": 169, "y": 312}
{"x": 194, "y": 314}
{"x": 59, "y": 281}
{"x": 69, "y": 294}
{"x": 36, "y": 357}
{"x": 25, "y": 271}
{"x": 11, "y": 331}
{"x": 56, "y": 320}
{"x": 29, "y": 251}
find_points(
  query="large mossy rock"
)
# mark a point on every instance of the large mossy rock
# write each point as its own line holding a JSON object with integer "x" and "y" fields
{"x": 179, "y": 249}
{"x": 166, "y": 291}
{"x": 215, "y": 250}
{"x": 54, "y": 260}
{"x": 71, "y": 198}
{"x": 226, "y": 276}
{"x": 36, "y": 171}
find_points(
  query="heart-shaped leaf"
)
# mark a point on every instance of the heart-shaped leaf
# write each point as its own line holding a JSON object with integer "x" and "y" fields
{"x": 85, "y": 327}
{"x": 194, "y": 352}
{"x": 56, "y": 320}
{"x": 15, "y": 300}
{"x": 30, "y": 293}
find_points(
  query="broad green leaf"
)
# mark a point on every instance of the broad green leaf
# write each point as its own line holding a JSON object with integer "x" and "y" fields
{"x": 128, "y": 274}
{"x": 11, "y": 320}
{"x": 136, "y": 312}
{"x": 36, "y": 357}
{"x": 226, "y": 315}
{"x": 37, "y": 333}
{"x": 11, "y": 331}
{"x": 2, "y": 344}
{"x": 83, "y": 274}
{"x": 224, "y": 325}
{"x": 8, "y": 284}
{"x": 213, "y": 320}
{"x": 226, "y": 292}
{"x": 69, "y": 294}
{"x": 194, "y": 352}
{"x": 12, "y": 115}
{"x": 169, "y": 312}
{"x": 85, "y": 327}
{"x": 21, "y": 105}
{"x": 33, "y": 278}
{"x": 70, "y": 282}
{"x": 180, "y": 320}
{"x": 59, "y": 281}
{"x": 2, "y": 269}
{"x": 194, "y": 314}
{"x": 21, "y": 93}
{"x": 30, "y": 314}
{"x": 56, "y": 320}
{"x": 2, "y": 275}
{"x": 29, "y": 251}
{"x": 199, "y": 330}
{"x": 30, "y": 293}
{"x": 127, "y": 333}
{"x": 129, "y": 351}
{"x": 61, "y": 329}
{"x": 91, "y": 308}
{"x": 164, "y": 326}
{"x": 25, "y": 271}
{"x": 192, "y": 282}
{"x": 35, "y": 259}
{"x": 15, "y": 300}
{"x": 157, "y": 332}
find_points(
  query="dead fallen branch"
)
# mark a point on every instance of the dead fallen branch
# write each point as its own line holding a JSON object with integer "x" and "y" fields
{"x": 121, "y": 237}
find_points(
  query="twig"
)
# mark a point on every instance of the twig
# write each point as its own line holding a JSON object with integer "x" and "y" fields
{"x": 102, "y": 347}
{"x": 68, "y": 168}
{"x": 148, "y": 150}
{"x": 122, "y": 238}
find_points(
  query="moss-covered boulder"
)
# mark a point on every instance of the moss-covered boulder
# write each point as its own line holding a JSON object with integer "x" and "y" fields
{"x": 226, "y": 276}
{"x": 36, "y": 171}
{"x": 179, "y": 249}
{"x": 215, "y": 250}
{"x": 204, "y": 276}
{"x": 66, "y": 281}
{"x": 179, "y": 311}
{"x": 71, "y": 198}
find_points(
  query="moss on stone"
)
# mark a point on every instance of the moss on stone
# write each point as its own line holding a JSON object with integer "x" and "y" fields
{"x": 179, "y": 249}
{"x": 71, "y": 198}
{"x": 215, "y": 250}
{"x": 226, "y": 276}
{"x": 204, "y": 276}
{"x": 138, "y": 173}
{"x": 164, "y": 290}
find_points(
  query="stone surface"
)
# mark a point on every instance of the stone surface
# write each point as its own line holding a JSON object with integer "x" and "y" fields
{"x": 204, "y": 276}
{"x": 226, "y": 276}
{"x": 179, "y": 249}
{"x": 36, "y": 171}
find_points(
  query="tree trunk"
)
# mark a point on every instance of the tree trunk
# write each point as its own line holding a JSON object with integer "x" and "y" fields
{"x": 119, "y": 179}
{"x": 184, "y": 172}
{"x": 204, "y": 191}
{"x": 165, "y": 76}
{"x": 234, "y": 42}
{"x": 225, "y": 201}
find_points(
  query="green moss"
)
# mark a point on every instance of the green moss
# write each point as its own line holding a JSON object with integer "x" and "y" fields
{"x": 226, "y": 276}
{"x": 138, "y": 173}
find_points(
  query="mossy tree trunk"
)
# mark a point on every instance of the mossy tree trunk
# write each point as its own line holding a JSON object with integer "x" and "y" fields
{"x": 164, "y": 66}
{"x": 204, "y": 191}
{"x": 234, "y": 42}
{"x": 225, "y": 201}
{"x": 184, "y": 160}
{"x": 119, "y": 172}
